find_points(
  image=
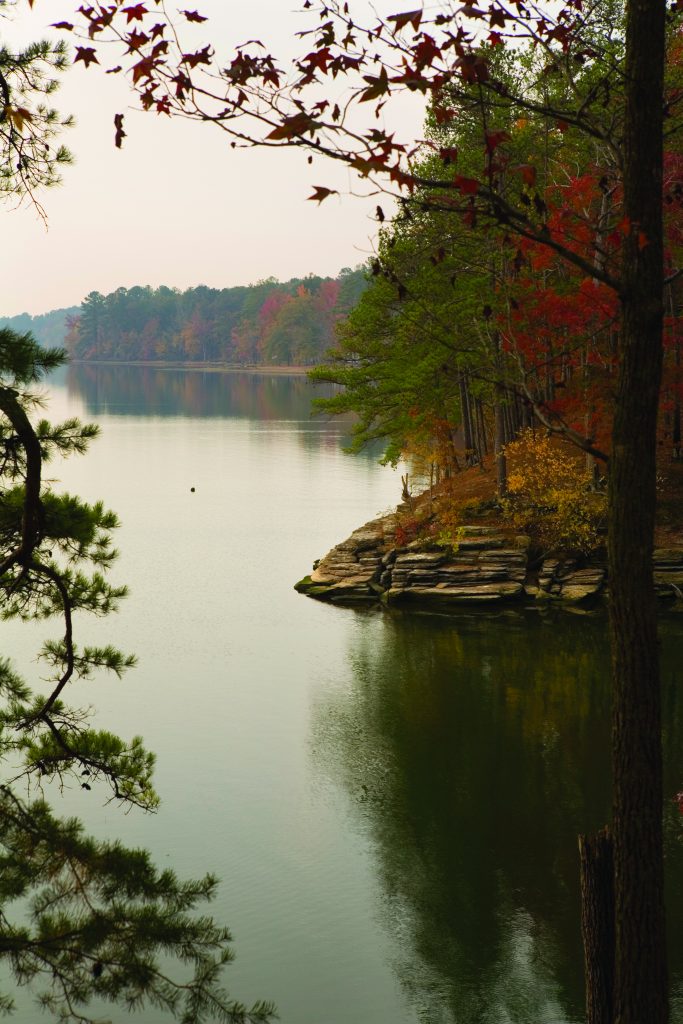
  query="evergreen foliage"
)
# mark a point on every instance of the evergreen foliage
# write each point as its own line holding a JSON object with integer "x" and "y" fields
{"x": 29, "y": 158}
{"x": 83, "y": 922}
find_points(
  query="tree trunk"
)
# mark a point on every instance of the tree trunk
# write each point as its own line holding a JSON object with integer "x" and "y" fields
{"x": 597, "y": 925}
{"x": 499, "y": 446}
{"x": 641, "y": 975}
{"x": 466, "y": 421}
{"x": 483, "y": 445}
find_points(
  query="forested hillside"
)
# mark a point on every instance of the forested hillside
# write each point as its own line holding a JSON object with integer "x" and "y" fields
{"x": 291, "y": 323}
{"x": 49, "y": 329}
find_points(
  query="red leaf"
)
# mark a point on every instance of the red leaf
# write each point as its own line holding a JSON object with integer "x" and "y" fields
{"x": 528, "y": 172}
{"x": 320, "y": 193}
{"x": 199, "y": 57}
{"x": 448, "y": 154}
{"x": 193, "y": 16}
{"x": 135, "y": 13}
{"x": 291, "y": 126}
{"x": 143, "y": 68}
{"x": 376, "y": 86}
{"x": 468, "y": 186}
{"x": 408, "y": 18}
{"x": 87, "y": 54}
{"x": 120, "y": 134}
{"x": 495, "y": 139}
{"x": 66, "y": 25}
{"x": 136, "y": 40}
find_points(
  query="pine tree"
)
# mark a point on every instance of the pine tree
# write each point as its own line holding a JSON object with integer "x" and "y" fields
{"x": 80, "y": 919}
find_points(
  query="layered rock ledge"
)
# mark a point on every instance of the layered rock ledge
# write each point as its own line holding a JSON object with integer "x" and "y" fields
{"x": 486, "y": 566}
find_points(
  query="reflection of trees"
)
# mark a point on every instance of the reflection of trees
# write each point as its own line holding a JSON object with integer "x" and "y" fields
{"x": 152, "y": 391}
{"x": 475, "y": 751}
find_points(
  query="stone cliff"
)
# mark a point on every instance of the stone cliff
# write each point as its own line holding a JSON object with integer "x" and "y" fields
{"x": 486, "y": 565}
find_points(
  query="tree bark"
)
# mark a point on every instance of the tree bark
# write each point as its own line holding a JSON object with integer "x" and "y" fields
{"x": 499, "y": 445}
{"x": 641, "y": 977}
{"x": 597, "y": 925}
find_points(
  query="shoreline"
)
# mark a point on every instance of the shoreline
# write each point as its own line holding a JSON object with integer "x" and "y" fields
{"x": 486, "y": 565}
{"x": 170, "y": 364}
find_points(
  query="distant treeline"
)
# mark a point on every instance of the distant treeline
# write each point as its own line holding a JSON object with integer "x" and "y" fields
{"x": 289, "y": 323}
{"x": 49, "y": 329}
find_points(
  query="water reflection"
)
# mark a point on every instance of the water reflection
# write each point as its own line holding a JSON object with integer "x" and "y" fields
{"x": 157, "y": 391}
{"x": 474, "y": 752}
{"x": 274, "y": 401}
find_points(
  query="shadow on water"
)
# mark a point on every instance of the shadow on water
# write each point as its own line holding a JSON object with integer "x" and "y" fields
{"x": 474, "y": 750}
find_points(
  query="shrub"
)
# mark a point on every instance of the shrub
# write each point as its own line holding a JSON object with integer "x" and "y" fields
{"x": 550, "y": 495}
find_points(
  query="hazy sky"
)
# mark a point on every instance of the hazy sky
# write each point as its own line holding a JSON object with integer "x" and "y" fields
{"x": 176, "y": 206}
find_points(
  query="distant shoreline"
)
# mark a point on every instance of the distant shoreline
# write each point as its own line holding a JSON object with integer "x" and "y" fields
{"x": 170, "y": 364}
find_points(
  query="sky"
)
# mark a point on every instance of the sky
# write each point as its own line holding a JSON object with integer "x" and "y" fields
{"x": 176, "y": 205}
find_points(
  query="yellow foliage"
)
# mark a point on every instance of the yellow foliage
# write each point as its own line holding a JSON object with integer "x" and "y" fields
{"x": 550, "y": 496}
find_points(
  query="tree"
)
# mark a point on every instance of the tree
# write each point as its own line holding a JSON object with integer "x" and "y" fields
{"x": 94, "y": 918}
{"x": 600, "y": 80}
{"x": 29, "y": 124}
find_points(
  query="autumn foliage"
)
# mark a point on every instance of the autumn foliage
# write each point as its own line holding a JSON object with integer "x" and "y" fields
{"x": 551, "y": 495}
{"x": 290, "y": 323}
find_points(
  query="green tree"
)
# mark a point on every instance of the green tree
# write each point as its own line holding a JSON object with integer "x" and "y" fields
{"x": 93, "y": 325}
{"x": 82, "y": 920}
{"x": 29, "y": 124}
{"x": 422, "y": 50}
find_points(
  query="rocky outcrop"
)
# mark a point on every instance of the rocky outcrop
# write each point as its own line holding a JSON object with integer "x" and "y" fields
{"x": 486, "y": 566}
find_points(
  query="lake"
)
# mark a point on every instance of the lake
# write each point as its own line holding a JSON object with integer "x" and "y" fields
{"x": 392, "y": 801}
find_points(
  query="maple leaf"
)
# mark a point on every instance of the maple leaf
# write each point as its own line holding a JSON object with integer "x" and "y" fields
{"x": 319, "y": 59}
{"x": 495, "y": 139}
{"x": 408, "y": 18}
{"x": 119, "y": 135}
{"x": 528, "y": 172}
{"x": 194, "y": 16}
{"x": 426, "y": 51}
{"x": 135, "y": 13}
{"x": 377, "y": 86}
{"x": 468, "y": 186}
{"x": 198, "y": 57}
{"x": 17, "y": 116}
{"x": 87, "y": 54}
{"x": 182, "y": 83}
{"x": 136, "y": 40}
{"x": 65, "y": 25}
{"x": 298, "y": 124}
{"x": 320, "y": 193}
{"x": 144, "y": 68}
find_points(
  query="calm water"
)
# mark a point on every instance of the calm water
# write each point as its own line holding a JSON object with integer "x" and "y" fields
{"x": 392, "y": 802}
